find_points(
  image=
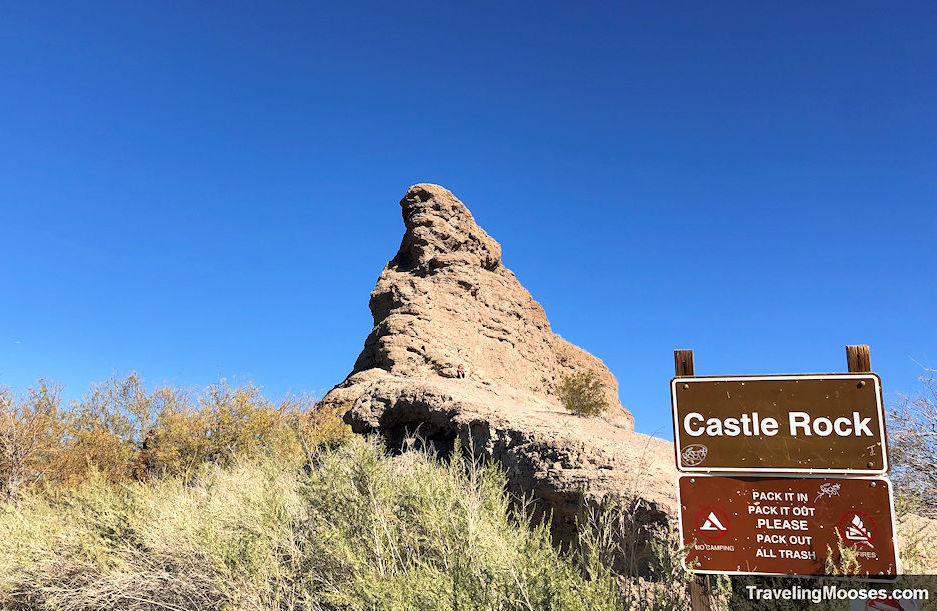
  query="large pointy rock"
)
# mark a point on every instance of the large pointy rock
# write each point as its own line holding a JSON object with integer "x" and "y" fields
{"x": 446, "y": 300}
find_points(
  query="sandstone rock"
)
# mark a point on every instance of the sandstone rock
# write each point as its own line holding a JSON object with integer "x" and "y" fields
{"x": 917, "y": 544}
{"x": 446, "y": 300}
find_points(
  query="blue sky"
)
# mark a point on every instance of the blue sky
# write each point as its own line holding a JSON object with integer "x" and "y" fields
{"x": 191, "y": 190}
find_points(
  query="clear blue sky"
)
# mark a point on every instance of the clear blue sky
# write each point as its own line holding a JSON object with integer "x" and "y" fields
{"x": 194, "y": 189}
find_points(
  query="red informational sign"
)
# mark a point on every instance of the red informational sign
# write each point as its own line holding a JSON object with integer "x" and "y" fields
{"x": 787, "y": 525}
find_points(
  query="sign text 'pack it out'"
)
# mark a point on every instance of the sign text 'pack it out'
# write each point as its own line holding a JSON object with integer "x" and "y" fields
{"x": 786, "y": 525}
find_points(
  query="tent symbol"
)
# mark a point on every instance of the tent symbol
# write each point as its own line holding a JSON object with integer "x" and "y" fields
{"x": 712, "y": 523}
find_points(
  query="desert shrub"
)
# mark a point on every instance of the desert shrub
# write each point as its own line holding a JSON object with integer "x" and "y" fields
{"x": 582, "y": 393}
{"x": 241, "y": 422}
{"x": 126, "y": 432}
{"x": 122, "y": 431}
{"x": 355, "y": 528}
{"x": 912, "y": 444}
{"x": 322, "y": 427}
{"x": 31, "y": 428}
{"x": 616, "y": 539}
{"x": 416, "y": 532}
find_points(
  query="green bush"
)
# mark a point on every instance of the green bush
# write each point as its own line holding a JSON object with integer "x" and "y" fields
{"x": 356, "y": 528}
{"x": 582, "y": 393}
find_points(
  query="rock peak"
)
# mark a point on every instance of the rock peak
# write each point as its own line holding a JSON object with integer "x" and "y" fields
{"x": 441, "y": 232}
{"x": 445, "y": 300}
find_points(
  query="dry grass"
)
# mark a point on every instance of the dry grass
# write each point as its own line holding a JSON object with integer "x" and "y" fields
{"x": 169, "y": 498}
{"x": 353, "y": 528}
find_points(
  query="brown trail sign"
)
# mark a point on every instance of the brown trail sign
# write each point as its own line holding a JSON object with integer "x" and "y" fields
{"x": 816, "y": 423}
{"x": 786, "y": 525}
{"x": 822, "y": 431}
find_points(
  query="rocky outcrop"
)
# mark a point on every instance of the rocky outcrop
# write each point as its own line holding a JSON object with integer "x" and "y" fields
{"x": 917, "y": 536}
{"x": 446, "y": 300}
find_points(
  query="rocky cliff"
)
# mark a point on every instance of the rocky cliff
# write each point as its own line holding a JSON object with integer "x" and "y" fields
{"x": 446, "y": 300}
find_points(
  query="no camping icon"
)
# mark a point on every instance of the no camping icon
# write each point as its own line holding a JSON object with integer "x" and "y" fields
{"x": 712, "y": 523}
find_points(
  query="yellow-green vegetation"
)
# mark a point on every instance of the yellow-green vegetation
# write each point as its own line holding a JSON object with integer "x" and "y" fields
{"x": 121, "y": 431}
{"x": 582, "y": 393}
{"x": 844, "y": 560}
{"x": 612, "y": 535}
{"x": 136, "y": 498}
{"x": 351, "y": 528}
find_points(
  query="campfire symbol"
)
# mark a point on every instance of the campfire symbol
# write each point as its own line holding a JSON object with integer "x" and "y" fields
{"x": 856, "y": 530}
{"x": 857, "y": 527}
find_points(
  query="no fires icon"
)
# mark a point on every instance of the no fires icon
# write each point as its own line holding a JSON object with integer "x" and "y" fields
{"x": 857, "y": 527}
{"x": 712, "y": 523}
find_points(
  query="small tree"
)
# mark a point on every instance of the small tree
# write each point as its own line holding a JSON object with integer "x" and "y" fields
{"x": 30, "y": 428}
{"x": 912, "y": 441}
{"x": 582, "y": 393}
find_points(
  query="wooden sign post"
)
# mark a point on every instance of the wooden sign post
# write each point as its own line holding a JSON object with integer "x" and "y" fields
{"x": 857, "y": 358}
{"x": 700, "y": 589}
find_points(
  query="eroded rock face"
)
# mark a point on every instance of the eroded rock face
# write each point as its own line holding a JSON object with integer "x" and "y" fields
{"x": 446, "y": 300}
